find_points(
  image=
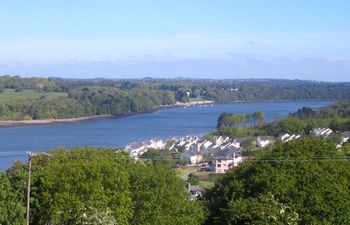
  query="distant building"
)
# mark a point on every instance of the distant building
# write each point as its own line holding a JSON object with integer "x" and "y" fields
{"x": 287, "y": 137}
{"x": 263, "y": 141}
{"x": 345, "y": 136}
{"x": 156, "y": 144}
{"x": 136, "y": 149}
{"x": 193, "y": 157}
{"x": 284, "y": 137}
{"x": 238, "y": 141}
{"x": 321, "y": 132}
{"x": 207, "y": 144}
{"x": 226, "y": 159}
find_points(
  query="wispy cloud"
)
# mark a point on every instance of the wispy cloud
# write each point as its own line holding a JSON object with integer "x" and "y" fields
{"x": 194, "y": 55}
{"x": 170, "y": 47}
{"x": 242, "y": 66}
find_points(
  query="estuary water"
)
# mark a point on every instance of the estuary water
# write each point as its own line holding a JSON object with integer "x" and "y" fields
{"x": 118, "y": 132}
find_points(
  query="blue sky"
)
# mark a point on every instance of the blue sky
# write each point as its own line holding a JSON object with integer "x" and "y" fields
{"x": 296, "y": 39}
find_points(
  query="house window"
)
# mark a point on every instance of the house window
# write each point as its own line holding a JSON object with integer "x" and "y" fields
{"x": 219, "y": 165}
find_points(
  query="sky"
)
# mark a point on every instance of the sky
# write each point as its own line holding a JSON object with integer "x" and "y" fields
{"x": 236, "y": 39}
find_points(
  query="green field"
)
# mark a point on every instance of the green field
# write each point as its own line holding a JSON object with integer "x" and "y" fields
{"x": 206, "y": 180}
{"x": 183, "y": 171}
{"x": 11, "y": 95}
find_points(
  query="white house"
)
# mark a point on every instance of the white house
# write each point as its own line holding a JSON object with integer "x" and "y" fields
{"x": 157, "y": 144}
{"x": 207, "y": 144}
{"x": 135, "y": 149}
{"x": 181, "y": 143}
{"x": 237, "y": 142}
{"x": 345, "y": 136}
{"x": 172, "y": 147}
{"x": 263, "y": 141}
{"x": 224, "y": 145}
{"x": 193, "y": 156}
{"x": 287, "y": 137}
{"x": 284, "y": 137}
{"x": 188, "y": 145}
{"x": 321, "y": 132}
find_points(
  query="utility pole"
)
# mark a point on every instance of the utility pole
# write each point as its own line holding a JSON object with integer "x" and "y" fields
{"x": 30, "y": 156}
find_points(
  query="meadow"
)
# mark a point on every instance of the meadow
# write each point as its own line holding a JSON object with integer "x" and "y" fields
{"x": 8, "y": 95}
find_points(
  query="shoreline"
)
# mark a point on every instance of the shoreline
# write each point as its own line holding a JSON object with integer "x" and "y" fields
{"x": 23, "y": 123}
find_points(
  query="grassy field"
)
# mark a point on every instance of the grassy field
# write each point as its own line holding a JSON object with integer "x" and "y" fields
{"x": 205, "y": 180}
{"x": 182, "y": 171}
{"x": 12, "y": 95}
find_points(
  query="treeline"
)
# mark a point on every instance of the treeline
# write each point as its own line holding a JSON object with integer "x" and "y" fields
{"x": 218, "y": 90}
{"x": 87, "y": 101}
{"x": 233, "y": 125}
{"x": 335, "y": 116}
{"x": 305, "y": 181}
{"x": 88, "y": 97}
{"x": 241, "y": 120}
{"x": 114, "y": 101}
{"x": 338, "y": 109}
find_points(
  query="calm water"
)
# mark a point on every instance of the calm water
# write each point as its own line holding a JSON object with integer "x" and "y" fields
{"x": 14, "y": 142}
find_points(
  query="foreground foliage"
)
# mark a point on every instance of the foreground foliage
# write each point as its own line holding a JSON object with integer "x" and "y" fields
{"x": 11, "y": 209}
{"x": 90, "y": 186}
{"x": 301, "y": 182}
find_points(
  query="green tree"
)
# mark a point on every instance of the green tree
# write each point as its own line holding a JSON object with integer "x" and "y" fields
{"x": 100, "y": 186}
{"x": 159, "y": 197}
{"x": 293, "y": 126}
{"x": 309, "y": 177}
{"x": 72, "y": 187}
{"x": 11, "y": 206}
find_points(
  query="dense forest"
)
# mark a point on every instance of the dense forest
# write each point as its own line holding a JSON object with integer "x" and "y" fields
{"x": 56, "y": 98}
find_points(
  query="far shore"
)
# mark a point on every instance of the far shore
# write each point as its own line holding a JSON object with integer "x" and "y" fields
{"x": 21, "y": 123}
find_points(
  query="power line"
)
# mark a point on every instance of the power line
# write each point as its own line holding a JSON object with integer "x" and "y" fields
{"x": 161, "y": 158}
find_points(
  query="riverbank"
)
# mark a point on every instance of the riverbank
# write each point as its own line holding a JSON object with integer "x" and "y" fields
{"x": 20, "y": 123}
{"x": 194, "y": 103}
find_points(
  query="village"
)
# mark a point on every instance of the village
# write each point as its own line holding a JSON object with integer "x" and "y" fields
{"x": 203, "y": 156}
{"x": 217, "y": 153}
